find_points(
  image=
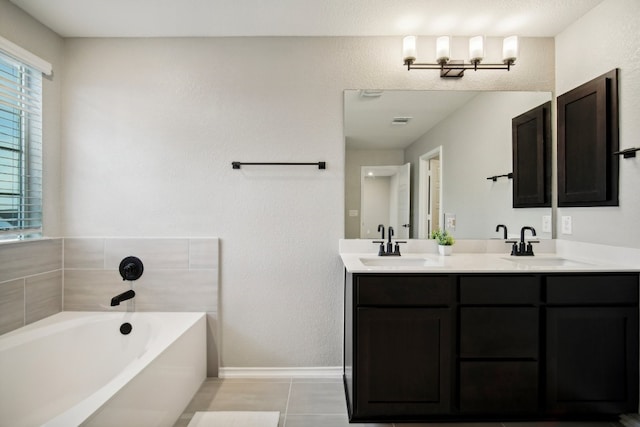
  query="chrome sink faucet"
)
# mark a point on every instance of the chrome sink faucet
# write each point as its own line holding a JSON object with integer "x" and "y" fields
{"x": 523, "y": 249}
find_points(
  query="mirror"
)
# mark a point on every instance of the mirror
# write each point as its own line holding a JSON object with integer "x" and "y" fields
{"x": 455, "y": 142}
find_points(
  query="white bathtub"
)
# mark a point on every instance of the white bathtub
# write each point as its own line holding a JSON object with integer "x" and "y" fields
{"x": 76, "y": 368}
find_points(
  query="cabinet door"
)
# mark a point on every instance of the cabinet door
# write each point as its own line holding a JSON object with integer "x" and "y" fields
{"x": 403, "y": 362}
{"x": 592, "y": 360}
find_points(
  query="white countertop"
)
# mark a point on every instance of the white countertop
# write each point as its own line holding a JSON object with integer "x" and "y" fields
{"x": 424, "y": 260}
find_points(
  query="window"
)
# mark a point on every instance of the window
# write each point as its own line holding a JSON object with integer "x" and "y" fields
{"x": 20, "y": 149}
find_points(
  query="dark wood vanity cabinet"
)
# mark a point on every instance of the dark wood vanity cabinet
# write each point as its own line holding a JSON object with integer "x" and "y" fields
{"x": 398, "y": 364}
{"x": 592, "y": 344}
{"x": 421, "y": 347}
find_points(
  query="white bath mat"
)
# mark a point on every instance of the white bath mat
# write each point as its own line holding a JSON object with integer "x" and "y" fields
{"x": 235, "y": 419}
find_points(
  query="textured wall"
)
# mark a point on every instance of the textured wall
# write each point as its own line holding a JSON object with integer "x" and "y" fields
{"x": 150, "y": 127}
{"x": 607, "y": 37}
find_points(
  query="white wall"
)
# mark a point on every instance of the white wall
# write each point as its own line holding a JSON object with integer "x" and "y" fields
{"x": 23, "y": 30}
{"x": 150, "y": 127}
{"x": 476, "y": 144}
{"x": 607, "y": 37}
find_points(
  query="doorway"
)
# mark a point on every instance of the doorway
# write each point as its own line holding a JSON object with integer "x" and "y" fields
{"x": 429, "y": 192}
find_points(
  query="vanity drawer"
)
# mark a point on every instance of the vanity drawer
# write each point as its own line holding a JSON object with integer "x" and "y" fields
{"x": 498, "y": 387}
{"x": 404, "y": 290}
{"x": 592, "y": 289}
{"x": 499, "y": 289}
{"x": 499, "y": 332}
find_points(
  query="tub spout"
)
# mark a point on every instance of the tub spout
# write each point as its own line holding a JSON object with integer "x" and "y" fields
{"x": 122, "y": 297}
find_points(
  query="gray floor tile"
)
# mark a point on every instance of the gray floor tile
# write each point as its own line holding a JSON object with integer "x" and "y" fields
{"x": 325, "y": 421}
{"x": 317, "y": 398}
{"x": 246, "y": 396}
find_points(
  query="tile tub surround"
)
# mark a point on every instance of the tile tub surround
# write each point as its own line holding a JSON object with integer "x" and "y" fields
{"x": 30, "y": 281}
{"x": 310, "y": 403}
{"x": 180, "y": 274}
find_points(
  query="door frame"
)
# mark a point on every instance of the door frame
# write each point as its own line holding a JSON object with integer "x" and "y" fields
{"x": 423, "y": 187}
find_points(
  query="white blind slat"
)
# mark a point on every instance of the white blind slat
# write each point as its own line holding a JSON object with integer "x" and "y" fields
{"x": 20, "y": 149}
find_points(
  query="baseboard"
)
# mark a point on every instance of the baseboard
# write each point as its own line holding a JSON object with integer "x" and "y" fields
{"x": 329, "y": 372}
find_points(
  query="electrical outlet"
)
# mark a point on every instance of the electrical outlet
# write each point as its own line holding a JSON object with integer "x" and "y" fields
{"x": 566, "y": 225}
{"x": 546, "y": 223}
{"x": 450, "y": 221}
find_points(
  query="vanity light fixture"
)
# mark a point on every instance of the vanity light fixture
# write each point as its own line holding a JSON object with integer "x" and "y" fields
{"x": 454, "y": 67}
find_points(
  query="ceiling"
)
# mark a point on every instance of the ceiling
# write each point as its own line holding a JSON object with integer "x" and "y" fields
{"x": 226, "y": 18}
{"x": 368, "y": 119}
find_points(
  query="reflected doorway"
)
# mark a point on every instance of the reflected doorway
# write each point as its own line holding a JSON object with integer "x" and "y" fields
{"x": 430, "y": 192}
{"x": 385, "y": 198}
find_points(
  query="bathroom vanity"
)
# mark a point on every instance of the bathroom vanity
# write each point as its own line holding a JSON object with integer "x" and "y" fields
{"x": 485, "y": 337}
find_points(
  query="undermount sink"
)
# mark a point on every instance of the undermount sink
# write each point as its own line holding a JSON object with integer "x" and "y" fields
{"x": 396, "y": 262}
{"x": 545, "y": 262}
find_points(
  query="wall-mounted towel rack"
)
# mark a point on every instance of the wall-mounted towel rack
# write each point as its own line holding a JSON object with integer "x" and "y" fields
{"x": 321, "y": 165}
{"x": 629, "y": 152}
{"x": 506, "y": 175}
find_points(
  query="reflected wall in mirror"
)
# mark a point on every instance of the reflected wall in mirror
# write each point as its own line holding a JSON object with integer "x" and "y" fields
{"x": 454, "y": 141}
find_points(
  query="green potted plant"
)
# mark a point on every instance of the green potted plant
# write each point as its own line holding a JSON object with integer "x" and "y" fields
{"x": 445, "y": 241}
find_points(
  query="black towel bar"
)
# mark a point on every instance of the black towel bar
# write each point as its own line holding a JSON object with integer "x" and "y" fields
{"x": 236, "y": 165}
{"x": 506, "y": 175}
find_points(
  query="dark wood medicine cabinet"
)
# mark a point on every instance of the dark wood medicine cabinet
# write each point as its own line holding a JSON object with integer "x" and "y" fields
{"x": 531, "y": 141}
{"x": 587, "y": 141}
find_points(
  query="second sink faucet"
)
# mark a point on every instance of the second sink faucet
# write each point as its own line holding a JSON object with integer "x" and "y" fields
{"x": 524, "y": 249}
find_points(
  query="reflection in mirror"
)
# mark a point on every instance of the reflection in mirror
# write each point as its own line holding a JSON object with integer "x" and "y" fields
{"x": 385, "y": 200}
{"x": 453, "y": 141}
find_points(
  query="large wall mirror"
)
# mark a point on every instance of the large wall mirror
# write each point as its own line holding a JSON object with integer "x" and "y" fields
{"x": 419, "y": 160}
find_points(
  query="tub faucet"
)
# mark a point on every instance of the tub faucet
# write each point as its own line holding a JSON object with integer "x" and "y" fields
{"x": 122, "y": 297}
{"x": 524, "y": 249}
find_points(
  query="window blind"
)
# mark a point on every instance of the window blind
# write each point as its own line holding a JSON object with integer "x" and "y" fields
{"x": 20, "y": 149}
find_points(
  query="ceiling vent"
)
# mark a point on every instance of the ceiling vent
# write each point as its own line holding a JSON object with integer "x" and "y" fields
{"x": 400, "y": 120}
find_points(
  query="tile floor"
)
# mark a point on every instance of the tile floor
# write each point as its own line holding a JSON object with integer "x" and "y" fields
{"x": 308, "y": 403}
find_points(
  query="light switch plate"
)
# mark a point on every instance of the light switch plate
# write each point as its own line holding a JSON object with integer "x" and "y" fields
{"x": 566, "y": 225}
{"x": 546, "y": 223}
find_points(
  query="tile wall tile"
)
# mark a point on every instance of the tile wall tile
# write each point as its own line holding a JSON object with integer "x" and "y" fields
{"x": 177, "y": 290}
{"x": 27, "y": 258}
{"x": 84, "y": 253}
{"x": 11, "y": 305}
{"x": 43, "y": 296}
{"x": 203, "y": 254}
{"x": 92, "y": 290}
{"x": 154, "y": 253}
